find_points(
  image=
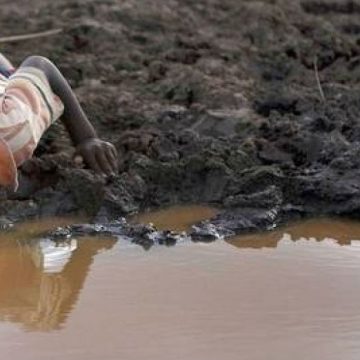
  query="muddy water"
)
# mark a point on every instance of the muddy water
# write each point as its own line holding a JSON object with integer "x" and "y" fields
{"x": 178, "y": 218}
{"x": 290, "y": 294}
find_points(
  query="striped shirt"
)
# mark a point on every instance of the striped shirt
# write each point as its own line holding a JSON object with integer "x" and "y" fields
{"x": 27, "y": 108}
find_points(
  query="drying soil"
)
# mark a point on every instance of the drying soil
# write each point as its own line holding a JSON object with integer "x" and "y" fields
{"x": 252, "y": 106}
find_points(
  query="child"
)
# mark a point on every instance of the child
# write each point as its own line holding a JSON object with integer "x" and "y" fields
{"x": 32, "y": 97}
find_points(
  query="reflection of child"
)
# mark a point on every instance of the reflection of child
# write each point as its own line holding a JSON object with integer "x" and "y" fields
{"x": 32, "y": 97}
{"x": 40, "y": 281}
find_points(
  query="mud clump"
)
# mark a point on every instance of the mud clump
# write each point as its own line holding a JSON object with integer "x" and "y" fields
{"x": 207, "y": 102}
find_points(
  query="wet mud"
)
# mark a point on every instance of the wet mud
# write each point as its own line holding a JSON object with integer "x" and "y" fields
{"x": 250, "y": 106}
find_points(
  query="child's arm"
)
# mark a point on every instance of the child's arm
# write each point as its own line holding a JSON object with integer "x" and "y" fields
{"x": 98, "y": 154}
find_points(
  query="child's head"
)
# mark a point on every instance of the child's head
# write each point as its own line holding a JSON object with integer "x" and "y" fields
{"x": 8, "y": 171}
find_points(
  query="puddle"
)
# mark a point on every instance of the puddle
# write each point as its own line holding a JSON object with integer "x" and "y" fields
{"x": 177, "y": 218}
{"x": 36, "y": 228}
{"x": 343, "y": 232}
{"x": 290, "y": 294}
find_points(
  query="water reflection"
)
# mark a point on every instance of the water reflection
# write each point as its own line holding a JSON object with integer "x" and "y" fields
{"x": 341, "y": 231}
{"x": 40, "y": 281}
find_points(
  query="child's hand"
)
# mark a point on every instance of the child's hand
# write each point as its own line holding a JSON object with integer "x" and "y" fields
{"x": 100, "y": 155}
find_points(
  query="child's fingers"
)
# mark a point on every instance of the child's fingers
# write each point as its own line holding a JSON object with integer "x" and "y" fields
{"x": 92, "y": 162}
{"x": 114, "y": 152}
{"x": 116, "y": 158}
{"x": 103, "y": 161}
{"x": 112, "y": 158}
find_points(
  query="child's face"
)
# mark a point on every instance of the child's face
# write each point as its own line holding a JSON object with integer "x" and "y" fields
{"x": 8, "y": 174}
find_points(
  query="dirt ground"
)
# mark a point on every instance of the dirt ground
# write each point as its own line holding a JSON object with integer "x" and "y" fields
{"x": 252, "y": 106}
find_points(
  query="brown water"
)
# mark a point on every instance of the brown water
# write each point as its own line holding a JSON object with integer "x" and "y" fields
{"x": 177, "y": 218}
{"x": 290, "y": 294}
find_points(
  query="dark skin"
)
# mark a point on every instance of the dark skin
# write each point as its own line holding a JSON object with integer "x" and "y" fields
{"x": 99, "y": 155}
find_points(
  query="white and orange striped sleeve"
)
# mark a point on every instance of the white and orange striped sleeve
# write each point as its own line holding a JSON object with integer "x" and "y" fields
{"x": 27, "y": 108}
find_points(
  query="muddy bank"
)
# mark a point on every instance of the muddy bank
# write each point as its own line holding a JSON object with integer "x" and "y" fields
{"x": 249, "y": 105}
